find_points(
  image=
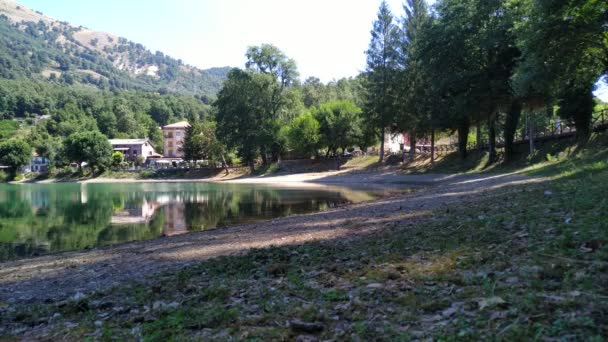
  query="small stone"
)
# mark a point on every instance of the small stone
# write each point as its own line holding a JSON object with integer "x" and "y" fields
{"x": 308, "y": 327}
{"x": 393, "y": 275}
{"x": 306, "y": 338}
{"x": 98, "y": 324}
{"x": 548, "y": 192}
{"x": 512, "y": 280}
{"x": 491, "y": 301}
{"x": 70, "y": 325}
{"x": 158, "y": 305}
{"x": 374, "y": 286}
{"x": 78, "y": 296}
{"x": 568, "y": 220}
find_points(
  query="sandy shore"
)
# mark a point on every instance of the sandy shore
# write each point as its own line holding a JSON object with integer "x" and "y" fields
{"x": 344, "y": 177}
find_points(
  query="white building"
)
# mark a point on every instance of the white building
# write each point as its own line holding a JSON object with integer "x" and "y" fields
{"x": 39, "y": 164}
{"x": 395, "y": 142}
{"x": 133, "y": 148}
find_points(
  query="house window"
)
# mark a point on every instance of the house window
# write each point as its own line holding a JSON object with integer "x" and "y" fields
{"x": 170, "y": 144}
{"x": 134, "y": 153}
{"x": 178, "y": 134}
{"x": 169, "y": 135}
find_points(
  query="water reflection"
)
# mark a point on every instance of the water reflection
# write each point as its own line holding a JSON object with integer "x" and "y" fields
{"x": 40, "y": 219}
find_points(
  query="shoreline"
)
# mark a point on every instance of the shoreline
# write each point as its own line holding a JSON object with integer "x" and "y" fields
{"x": 389, "y": 175}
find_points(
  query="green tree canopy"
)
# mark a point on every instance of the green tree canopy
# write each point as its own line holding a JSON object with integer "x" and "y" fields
{"x": 15, "y": 153}
{"x": 91, "y": 147}
{"x": 247, "y": 108}
{"x": 339, "y": 124}
{"x": 303, "y": 134}
{"x": 268, "y": 59}
{"x": 565, "y": 51}
{"x": 201, "y": 143}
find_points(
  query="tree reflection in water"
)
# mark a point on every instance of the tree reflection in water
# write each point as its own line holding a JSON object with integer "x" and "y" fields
{"x": 40, "y": 219}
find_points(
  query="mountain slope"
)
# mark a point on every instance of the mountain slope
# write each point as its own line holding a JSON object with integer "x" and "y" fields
{"x": 35, "y": 46}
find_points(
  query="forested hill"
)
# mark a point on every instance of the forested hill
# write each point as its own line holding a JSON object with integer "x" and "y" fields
{"x": 34, "y": 46}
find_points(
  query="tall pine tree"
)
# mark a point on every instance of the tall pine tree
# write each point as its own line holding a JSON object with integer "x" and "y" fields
{"x": 382, "y": 66}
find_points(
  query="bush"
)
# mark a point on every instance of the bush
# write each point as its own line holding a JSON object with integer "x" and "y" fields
{"x": 117, "y": 159}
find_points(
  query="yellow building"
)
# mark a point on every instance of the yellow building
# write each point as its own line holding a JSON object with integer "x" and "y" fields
{"x": 174, "y": 137}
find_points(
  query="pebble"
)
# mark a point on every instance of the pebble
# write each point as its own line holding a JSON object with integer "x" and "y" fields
{"x": 78, "y": 296}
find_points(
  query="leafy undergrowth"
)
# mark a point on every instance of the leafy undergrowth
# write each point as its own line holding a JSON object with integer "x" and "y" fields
{"x": 521, "y": 263}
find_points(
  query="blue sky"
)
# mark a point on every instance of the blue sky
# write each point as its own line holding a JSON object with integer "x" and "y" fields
{"x": 327, "y": 38}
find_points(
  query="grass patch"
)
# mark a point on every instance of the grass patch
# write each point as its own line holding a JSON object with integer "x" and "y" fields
{"x": 526, "y": 262}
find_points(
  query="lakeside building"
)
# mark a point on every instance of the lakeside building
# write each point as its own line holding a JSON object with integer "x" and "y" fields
{"x": 174, "y": 137}
{"x": 134, "y": 148}
{"x": 39, "y": 164}
{"x": 395, "y": 142}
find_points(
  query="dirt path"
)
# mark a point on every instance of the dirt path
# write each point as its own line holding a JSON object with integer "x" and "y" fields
{"x": 55, "y": 277}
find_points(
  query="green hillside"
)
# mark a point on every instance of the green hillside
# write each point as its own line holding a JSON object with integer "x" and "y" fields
{"x": 36, "y": 47}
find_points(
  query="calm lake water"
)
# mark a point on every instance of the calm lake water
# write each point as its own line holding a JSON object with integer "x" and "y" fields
{"x": 37, "y": 219}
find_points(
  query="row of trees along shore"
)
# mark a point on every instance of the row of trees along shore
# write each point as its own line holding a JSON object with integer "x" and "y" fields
{"x": 446, "y": 68}
{"x": 466, "y": 63}
{"x": 442, "y": 69}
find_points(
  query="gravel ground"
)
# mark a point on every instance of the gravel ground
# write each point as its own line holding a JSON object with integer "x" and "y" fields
{"x": 59, "y": 276}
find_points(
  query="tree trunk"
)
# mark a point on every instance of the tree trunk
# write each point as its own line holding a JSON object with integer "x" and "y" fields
{"x": 251, "y": 166}
{"x": 432, "y": 146}
{"x": 530, "y": 125}
{"x": 463, "y": 138}
{"x": 264, "y": 156}
{"x": 582, "y": 122}
{"x": 492, "y": 138}
{"x": 382, "y": 136}
{"x": 510, "y": 128}
{"x": 478, "y": 135}
{"x": 225, "y": 165}
{"x": 412, "y": 146}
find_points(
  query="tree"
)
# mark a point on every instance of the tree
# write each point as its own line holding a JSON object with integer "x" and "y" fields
{"x": 268, "y": 59}
{"x": 303, "y": 134}
{"x": 468, "y": 53}
{"x": 413, "y": 106}
{"x": 382, "y": 64}
{"x": 91, "y": 147}
{"x": 564, "y": 52}
{"x": 15, "y": 153}
{"x": 247, "y": 108}
{"x": 117, "y": 158}
{"x": 201, "y": 143}
{"x": 339, "y": 125}
{"x": 160, "y": 112}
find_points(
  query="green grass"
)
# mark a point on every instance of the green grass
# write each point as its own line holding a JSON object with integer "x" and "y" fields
{"x": 362, "y": 162}
{"x": 526, "y": 262}
{"x": 557, "y": 153}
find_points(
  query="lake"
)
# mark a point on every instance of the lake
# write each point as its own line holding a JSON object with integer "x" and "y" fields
{"x": 37, "y": 219}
